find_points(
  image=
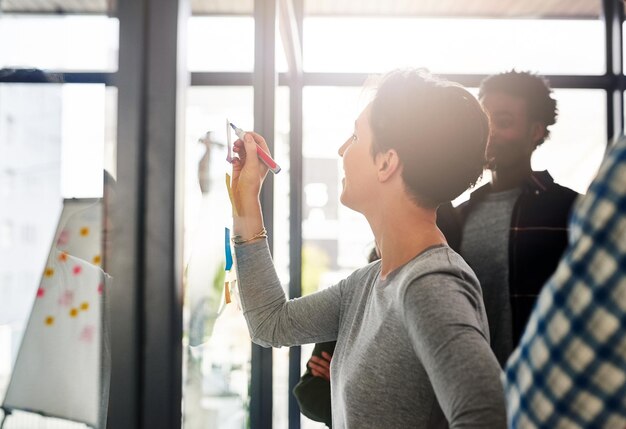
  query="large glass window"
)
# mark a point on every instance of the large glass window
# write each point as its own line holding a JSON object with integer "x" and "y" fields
{"x": 453, "y": 45}
{"x": 336, "y": 240}
{"x": 221, "y": 43}
{"x": 57, "y": 138}
{"x": 216, "y": 340}
{"x": 577, "y": 142}
{"x": 225, "y": 43}
{"x": 280, "y": 254}
{"x": 71, "y": 42}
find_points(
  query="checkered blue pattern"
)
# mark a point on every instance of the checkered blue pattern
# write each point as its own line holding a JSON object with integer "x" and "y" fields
{"x": 569, "y": 370}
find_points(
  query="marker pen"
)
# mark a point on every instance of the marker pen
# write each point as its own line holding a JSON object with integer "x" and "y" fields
{"x": 263, "y": 156}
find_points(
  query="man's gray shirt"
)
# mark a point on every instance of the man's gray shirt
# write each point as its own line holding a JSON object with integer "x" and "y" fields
{"x": 485, "y": 247}
{"x": 412, "y": 350}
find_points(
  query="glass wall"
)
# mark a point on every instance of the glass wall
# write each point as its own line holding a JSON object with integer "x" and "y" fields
{"x": 577, "y": 141}
{"x": 57, "y": 42}
{"x": 56, "y": 139}
{"x": 348, "y": 44}
{"x": 336, "y": 240}
{"x": 224, "y": 43}
{"x": 216, "y": 340}
{"x": 280, "y": 254}
{"x": 74, "y": 138}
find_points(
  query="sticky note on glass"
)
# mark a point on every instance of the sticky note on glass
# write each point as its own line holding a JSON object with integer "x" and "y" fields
{"x": 229, "y": 255}
{"x": 230, "y": 194}
{"x": 226, "y": 293}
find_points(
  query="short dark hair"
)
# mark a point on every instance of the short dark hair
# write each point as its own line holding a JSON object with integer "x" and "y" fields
{"x": 532, "y": 88}
{"x": 438, "y": 129}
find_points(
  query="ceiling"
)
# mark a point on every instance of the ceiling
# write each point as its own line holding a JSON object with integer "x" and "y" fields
{"x": 577, "y": 9}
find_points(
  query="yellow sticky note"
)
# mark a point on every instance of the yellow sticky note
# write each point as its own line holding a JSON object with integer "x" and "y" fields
{"x": 230, "y": 194}
{"x": 226, "y": 293}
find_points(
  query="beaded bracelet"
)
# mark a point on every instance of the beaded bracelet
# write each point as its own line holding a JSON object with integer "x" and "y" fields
{"x": 261, "y": 234}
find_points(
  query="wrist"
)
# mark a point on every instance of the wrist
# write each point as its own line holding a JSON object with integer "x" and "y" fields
{"x": 248, "y": 206}
{"x": 238, "y": 239}
{"x": 248, "y": 222}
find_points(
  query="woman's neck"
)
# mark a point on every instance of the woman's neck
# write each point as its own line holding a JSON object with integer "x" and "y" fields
{"x": 403, "y": 231}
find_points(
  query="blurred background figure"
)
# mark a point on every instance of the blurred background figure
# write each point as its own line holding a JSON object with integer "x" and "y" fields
{"x": 513, "y": 231}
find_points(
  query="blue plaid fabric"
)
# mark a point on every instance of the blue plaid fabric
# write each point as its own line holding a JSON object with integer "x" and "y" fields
{"x": 569, "y": 370}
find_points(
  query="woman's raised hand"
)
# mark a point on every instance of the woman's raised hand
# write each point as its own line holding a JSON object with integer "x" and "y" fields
{"x": 248, "y": 170}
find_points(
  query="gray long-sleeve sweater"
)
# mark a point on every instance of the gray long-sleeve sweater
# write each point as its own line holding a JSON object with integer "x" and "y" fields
{"x": 412, "y": 350}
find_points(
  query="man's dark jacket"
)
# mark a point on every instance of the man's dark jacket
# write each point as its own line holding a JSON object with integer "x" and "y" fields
{"x": 537, "y": 238}
{"x": 313, "y": 393}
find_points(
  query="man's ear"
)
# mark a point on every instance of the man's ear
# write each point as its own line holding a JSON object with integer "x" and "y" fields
{"x": 538, "y": 132}
{"x": 387, "y": 164}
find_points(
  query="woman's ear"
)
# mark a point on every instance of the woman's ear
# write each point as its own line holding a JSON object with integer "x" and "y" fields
{"x": 387, "y": 164}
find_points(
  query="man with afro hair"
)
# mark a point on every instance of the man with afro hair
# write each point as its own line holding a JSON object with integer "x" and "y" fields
{"x": 513, "y": 231}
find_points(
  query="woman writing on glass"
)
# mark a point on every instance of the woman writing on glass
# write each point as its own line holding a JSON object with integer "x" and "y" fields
{"x": 412, "y": 336}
